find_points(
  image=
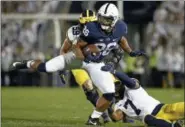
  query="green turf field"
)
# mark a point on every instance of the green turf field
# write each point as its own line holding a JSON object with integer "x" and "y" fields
{"x": 59, "y": 107}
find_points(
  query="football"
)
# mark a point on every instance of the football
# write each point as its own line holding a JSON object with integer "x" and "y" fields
{"x": 90, "y": 49}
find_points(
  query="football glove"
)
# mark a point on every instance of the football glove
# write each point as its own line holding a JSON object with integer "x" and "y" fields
{"x": 138, "y": 53}
{"x": 108, "y": 67}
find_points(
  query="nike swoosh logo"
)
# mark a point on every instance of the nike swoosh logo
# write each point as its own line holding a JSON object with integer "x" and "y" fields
{"x": 14, "y": 64}
{"x": 92, "y": 123}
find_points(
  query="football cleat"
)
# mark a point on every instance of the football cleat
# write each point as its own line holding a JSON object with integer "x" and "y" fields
{"x": 18, "y": 65}
{"x": 93, "y": 121}
{"x": 179, "y": 123}
{"x": 106, "y": 118}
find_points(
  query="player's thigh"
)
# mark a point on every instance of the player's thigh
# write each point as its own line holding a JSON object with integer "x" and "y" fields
{"x": 168, "y": 116}
{"x": 101, "y": 79}
{"x": 81, "y": 76}
{"x": 175, "y": 108}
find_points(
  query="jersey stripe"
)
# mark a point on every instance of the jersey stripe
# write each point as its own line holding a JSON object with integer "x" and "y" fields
{"x": 87, "y": 13}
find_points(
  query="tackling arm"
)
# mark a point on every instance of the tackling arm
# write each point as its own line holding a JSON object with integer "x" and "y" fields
{"x": 77, "y": 48}
{"x": 66, "y": 46}
{"x": 125, "y": 46}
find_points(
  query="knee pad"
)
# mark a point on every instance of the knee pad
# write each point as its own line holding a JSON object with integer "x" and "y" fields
{"x": 109, "y": 96}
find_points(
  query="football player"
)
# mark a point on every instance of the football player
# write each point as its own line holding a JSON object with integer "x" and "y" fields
{"x": 137, "y": 104}
{"x": 106, "y": 34}
{"x": 71, "y": 44}
{"x": 80, "y": 76}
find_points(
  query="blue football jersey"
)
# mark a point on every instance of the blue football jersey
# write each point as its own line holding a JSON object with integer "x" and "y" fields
{"x": 93, "y": 34}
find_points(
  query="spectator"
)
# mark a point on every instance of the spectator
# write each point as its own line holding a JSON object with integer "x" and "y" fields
{"x": 153, "y": 68}
{"x": 176, "y": 66}
{"x": 7, "y": 58}
{"x": 163, "y": 63}
{"x": 139, "y": 69}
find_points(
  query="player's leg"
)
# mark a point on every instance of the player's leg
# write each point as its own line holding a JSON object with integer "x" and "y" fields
{"x": 55, "y": 64}
{"x": 104, "y": 82}
{"x": 82, "y": 78}
{"x": 175, "y": 108}
{"x": 150, "y": 120}
{"x": 171, "y": 112}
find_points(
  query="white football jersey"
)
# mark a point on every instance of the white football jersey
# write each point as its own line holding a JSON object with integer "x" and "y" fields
{"x": 136, "y": 103}
{"x": 73, "y": 33}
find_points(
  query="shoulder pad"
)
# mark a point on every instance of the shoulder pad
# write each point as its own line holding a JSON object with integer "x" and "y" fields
{"x": 90, "y": 33}
{"x": 73, "y": 33}
{"x": 122, "y": 27}
{"x": 89, "y": 29}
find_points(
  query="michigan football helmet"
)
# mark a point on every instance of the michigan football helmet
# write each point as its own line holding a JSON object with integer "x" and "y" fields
{"x": 87, "y": 16}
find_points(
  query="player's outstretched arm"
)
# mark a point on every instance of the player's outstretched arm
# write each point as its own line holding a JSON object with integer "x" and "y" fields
{"x": 125, "y": 46}
{"x": 77, "y": 49}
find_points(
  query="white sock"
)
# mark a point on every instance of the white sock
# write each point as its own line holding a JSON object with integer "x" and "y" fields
{"x": 96, "y": 114}
{"x": 29, "y": 63}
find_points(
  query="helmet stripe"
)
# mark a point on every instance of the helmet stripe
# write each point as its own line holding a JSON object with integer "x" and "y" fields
{"x": 87, "y": 13}
{"x": 106, "y": 8}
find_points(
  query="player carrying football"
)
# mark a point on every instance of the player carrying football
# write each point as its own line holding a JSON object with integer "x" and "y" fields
{"x": 106, "y": 34}
{"x": 69, "y": 46}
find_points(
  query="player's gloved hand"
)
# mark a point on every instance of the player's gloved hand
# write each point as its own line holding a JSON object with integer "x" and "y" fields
{"x": 108, "y": 67}
{"x": 92, "y": 57}
{"x": 137, "y": 53}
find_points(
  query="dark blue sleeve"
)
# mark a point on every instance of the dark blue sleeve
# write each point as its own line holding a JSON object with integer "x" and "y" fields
{"x": 125, "y": 79}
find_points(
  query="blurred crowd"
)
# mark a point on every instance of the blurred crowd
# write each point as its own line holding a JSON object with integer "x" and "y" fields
{"x": 20, "y": 39}
{"x": 165, "y": 43}
{"x": 163, "y": 39}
